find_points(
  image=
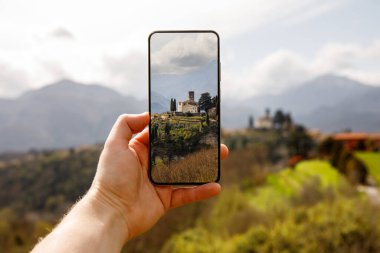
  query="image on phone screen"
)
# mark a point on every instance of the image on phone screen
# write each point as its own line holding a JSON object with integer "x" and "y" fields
{"x": 184, "y": 105}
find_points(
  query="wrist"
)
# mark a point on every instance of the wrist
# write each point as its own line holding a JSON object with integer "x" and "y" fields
{"x": 112, "y": 216}
{"x": 90, "y": 226}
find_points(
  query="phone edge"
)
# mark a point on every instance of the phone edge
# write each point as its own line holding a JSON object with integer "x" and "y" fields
{"x": 219, "y": 107}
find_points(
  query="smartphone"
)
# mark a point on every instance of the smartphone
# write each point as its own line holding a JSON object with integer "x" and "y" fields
{"x": 184, "y": 106}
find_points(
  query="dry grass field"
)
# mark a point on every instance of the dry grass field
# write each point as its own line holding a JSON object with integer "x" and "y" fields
{"x": 197, "y": 167}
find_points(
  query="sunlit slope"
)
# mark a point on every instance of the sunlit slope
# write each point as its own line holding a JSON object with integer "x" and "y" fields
{"x": 288, "y": 183}
{"x": 371, "y": 161}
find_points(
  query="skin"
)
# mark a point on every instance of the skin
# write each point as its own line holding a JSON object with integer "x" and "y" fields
{"x": 122, "y": 202}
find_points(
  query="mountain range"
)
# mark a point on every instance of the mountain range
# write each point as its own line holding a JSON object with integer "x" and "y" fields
{"x": 330, "y": 103}
{"x": 66, "y": 113}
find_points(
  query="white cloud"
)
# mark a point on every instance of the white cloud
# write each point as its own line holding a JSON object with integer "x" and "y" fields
{"x": 128, "y": 73}
{"x": 275, "y": 73}
{"x": 355, "y": 61}
{"x": 272, "y": 74}
{"x": 310, "y": 12}
{"x": 62, "y": 33}
{"x": 284, "y": 69}
{"x": 116, "y": 28}
{"x": 182, "y": 53}
{"x": 11, "y": 80}
{"x": 54, "y": 70}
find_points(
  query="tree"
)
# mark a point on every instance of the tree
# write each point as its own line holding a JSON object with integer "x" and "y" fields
{"x": 279, "y": 119}
{"x": 154, "y": 132}
{"x": 173, "y": 105}
{"x": 215, "y": 101}
{"x": 205, "y": 103}
{"x": 167, "y": 129}
{"x": 288, "y": 121}
{"x": 300, "y": 143}
{"x": 250, "y": 122}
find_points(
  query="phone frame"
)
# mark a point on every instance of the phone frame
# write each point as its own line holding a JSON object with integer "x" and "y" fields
{"x": 149, "y": 96}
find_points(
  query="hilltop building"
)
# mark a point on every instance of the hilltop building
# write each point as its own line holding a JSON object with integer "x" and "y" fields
{"x": 264, "y": 122}
{"x": 190, "y": 105}
{"x": 358, "y": 140}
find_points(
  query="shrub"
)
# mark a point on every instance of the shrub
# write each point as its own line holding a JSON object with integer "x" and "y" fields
{"x": 196, "y": 240}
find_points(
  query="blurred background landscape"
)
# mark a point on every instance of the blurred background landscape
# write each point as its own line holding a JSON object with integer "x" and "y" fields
{"x": 300, "y": 114}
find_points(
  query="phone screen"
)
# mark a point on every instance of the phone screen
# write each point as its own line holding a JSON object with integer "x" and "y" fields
{"x": 184, "y": 105}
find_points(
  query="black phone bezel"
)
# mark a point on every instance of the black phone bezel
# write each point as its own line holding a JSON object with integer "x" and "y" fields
{"x": 149, "y": 96}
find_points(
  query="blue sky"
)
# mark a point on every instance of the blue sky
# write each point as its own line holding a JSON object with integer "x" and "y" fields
{"x": 267, "y": 46}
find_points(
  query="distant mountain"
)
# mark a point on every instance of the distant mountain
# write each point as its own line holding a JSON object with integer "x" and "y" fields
{"x": 177, "y": 86}
{"x": 66, "y": 113}
{"x": 329, "y": 102}
{"x": 326, "y": 90}
{"x": 62, "y": 114}
{"x": 358, "y": 113}
{"x": 159, "y": 102}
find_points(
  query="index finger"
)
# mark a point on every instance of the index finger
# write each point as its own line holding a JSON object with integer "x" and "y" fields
{"x": 125, "y": 126}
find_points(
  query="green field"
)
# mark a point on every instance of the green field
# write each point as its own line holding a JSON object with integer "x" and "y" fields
{"x": 371, "y": 160}
{"x": 288, "y": 183}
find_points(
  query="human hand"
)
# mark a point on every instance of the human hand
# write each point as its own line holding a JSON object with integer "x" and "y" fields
{"x": 122, "y": 185}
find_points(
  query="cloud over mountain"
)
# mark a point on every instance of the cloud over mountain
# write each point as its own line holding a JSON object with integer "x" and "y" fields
{"x": 282, "y": 69}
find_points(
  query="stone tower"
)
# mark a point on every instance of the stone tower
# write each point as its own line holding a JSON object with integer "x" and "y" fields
{"x": 191, "y": 95}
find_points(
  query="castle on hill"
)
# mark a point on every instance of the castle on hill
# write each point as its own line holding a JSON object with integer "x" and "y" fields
{"x": 189, "y": 105}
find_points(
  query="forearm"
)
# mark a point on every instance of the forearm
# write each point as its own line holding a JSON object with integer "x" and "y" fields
{"x": 89, "y": 227}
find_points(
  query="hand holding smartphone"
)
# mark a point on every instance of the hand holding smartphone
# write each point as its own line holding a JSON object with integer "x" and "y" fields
{"x": 184, "y": 105}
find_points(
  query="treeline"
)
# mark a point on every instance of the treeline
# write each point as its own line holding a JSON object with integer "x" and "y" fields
{"x": 37, "y": 188}
{"x": 48, "y": 183}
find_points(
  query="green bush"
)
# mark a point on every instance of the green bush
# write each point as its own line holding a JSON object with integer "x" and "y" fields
{"x": 338, "y": 226}
{"x": 326, "y": 227}
{"x": 310, "y": 209}
{"x": 196, "y": 240}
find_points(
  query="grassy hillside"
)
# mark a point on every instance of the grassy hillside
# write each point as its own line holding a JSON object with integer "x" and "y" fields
{"x": 289, "y": 183}
{"x": 310, "y": 208}
{"x": 37, "y": 189}
{"x": 372, "y": 162}
{"x": 200, "y": 165}
{"x": 184, "y": 148}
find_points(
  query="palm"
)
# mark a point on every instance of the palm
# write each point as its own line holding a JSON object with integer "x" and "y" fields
{"x": 123, "y": 176}
{"x": 144, "y": 202}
